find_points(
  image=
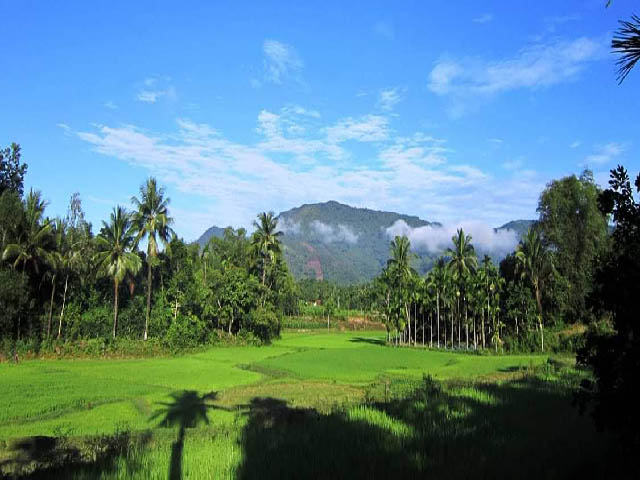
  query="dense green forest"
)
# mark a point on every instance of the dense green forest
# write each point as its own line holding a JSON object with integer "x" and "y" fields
{"x": 134, "y": 278}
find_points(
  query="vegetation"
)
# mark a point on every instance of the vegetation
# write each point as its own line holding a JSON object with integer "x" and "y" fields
{"x": 57, "y": 267}
{"x": 312, "y": 405}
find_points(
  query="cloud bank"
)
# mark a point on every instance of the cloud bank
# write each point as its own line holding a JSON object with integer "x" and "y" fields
{"x": 435, "y": 239}
{"x": 331, "y": 234}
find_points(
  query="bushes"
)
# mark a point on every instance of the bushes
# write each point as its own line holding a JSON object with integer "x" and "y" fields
{"x": 264, "y": 324}
{"x": 186, "y": 331}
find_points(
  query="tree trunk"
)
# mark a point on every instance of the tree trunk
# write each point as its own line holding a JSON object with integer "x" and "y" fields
{"x": 483, "y": 345}
{"x": 459, "y": 325}
{"x": 407, "y": 310}
{"x": 53, "y": 292}
{"x": 539, "y": 302}
{"x": 415, "y": 325}
{"x": 475, "y": 337}
{"x": 20, "y": 314}
{"x": 466, "y": 321}
{"x": 431, "y": 329}
{"x": 438, "y": 316}
{"x": 115, "y": 307}
{"x": 230, "y": 323}
{"x": 451, "y": 315}
{"x": 64, "y": 300}
{"x": 146, "y": 321}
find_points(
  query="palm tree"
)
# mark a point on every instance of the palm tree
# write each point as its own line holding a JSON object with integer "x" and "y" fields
{"x": 626, "y": 42}
{"x": 33, "y": 244}
{"x": 265, "y": 241}
{"x": 439, "y": 280}
{"x": 401, "y": 273}
{"x": 534, "y": 262}
{"x": 462, "y": 262}
{"x": 55, "y": 261}
{"x": 116, "y": 257}
{"x": 486, "y": 276}
{"x": 151, "y": 220}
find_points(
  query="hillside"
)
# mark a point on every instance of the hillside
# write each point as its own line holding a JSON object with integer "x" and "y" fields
{"x": 519, "y": 226}
{"x": 345, "y": 244}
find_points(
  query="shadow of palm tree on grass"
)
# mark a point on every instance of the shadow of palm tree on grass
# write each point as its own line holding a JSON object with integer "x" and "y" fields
{"x": 187, "y": 410}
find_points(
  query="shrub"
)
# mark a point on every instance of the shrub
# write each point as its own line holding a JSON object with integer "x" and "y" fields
{"x": 264, "y": 324}
{"x": 186, "y": 331}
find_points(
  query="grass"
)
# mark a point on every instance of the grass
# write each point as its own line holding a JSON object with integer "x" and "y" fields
{"x": 313, "y": 405}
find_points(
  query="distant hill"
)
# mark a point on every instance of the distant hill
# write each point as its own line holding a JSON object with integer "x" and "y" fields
{"x": 345, "y": 244}
{"x": 338, "y": 242}
{"x": 519, "y": 226}
{"x": 210, "y": 233}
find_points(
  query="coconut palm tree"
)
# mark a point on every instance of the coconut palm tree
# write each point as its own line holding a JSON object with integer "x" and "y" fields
{"x": 534, "y": 263}
{"x": 33, "y": 243}
{"x": 55, "y": 259}
{"x": 626, "y": 42}
{"x": 439, "y": 280}
{"x": 152, "y": 222}
{"x": 266, "y": 241}
{"x": 116, "y": 257}
{"x": 401, "y": 272}
{"x": 462, "y": 263}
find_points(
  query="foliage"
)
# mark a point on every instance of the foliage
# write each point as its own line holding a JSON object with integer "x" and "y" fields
{"x": 615, "y": 357}
{"x": 572, "y": 225}
{"x": 12, "y": 172}
{"x": 626, "y": 43}
{"x": 264, "y": 324}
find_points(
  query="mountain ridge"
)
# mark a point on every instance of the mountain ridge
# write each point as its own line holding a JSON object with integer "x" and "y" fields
{"x": 345, "y": 244}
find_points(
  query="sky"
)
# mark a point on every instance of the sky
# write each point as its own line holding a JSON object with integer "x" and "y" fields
{"x": 453, "y": 111}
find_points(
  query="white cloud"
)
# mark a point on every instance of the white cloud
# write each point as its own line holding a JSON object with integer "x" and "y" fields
{"x": 575, "y": 144}
{"x": 604, "y": 154}
{"x": 370, "y": 128}
{"x": 484, "y": 18}
{"x": 331, "y": 234}
{"x": 153, "y": 89}
{"x": 388, "y": 98}
{"x": 281, "y": 61}
{"x": 110, "y": 105}
{"x": 436, "y": 239}
{"x": 236, "y": 180}
{"x": 539, "y": 65}
{"x": 287, "y": 226}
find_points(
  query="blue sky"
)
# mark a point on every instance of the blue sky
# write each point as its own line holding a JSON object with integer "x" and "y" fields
{"x": 453, "y": 111}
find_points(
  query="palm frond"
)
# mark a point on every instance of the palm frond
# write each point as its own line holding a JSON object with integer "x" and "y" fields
{"x": 626, "y": 42}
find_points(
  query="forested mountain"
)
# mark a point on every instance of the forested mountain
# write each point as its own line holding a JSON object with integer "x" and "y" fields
{"x": 519, "y": 226}
{"x": 337, "y": 242}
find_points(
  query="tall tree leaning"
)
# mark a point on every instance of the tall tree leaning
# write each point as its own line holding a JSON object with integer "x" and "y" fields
{"x": 152, "y": 222}
{"x": 116, "y": 256}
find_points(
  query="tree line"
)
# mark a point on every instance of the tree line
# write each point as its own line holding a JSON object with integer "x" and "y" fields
{"x": 465, "y": 302}
{"x": 59, "y": 281}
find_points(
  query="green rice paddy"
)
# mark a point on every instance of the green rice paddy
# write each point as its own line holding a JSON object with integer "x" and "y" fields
{"x": 310, "y": 405}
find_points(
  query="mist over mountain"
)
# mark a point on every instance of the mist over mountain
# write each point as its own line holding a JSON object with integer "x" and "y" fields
{"x": 345, "y": 244}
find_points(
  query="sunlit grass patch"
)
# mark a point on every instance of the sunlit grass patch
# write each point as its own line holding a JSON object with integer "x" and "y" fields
{"x": 379, "y": 419}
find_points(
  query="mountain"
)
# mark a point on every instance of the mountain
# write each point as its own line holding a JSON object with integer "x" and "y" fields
{"x": 209, "y": 234}
{"x": 518, "y": 226}
{"x": 347, "y": 245}
{"x": 338, "y": 242}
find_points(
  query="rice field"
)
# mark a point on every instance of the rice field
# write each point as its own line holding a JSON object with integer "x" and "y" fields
{"x": 312, "y": 405}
